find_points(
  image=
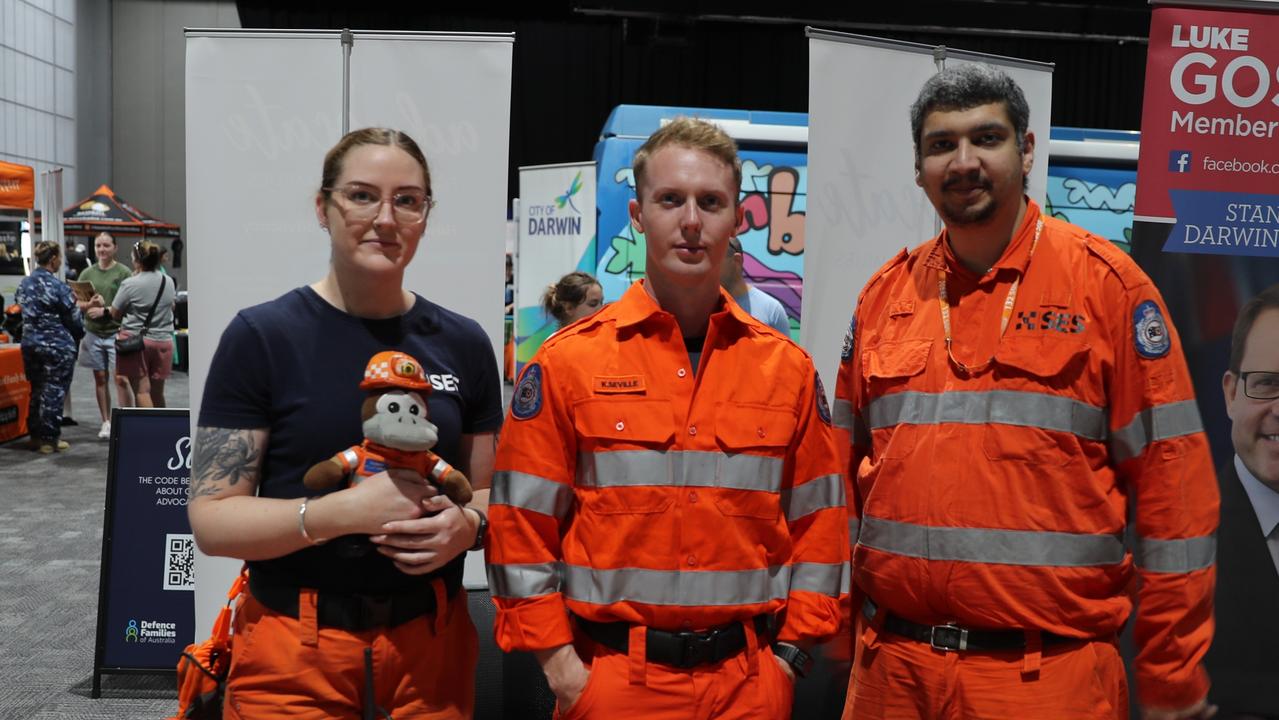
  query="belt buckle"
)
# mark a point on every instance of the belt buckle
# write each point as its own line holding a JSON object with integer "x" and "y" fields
{"x": 375, "y": 611}
{"x": 948, "y": 638}
{"x": 696, "y": 648}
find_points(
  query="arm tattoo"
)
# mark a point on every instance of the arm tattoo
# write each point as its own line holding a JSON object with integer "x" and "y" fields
{"x": 223, "y": 457}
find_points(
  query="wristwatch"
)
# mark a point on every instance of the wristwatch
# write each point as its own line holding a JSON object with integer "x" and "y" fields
{"x": 800, "y": 661}
{"x": 481, "y": 531}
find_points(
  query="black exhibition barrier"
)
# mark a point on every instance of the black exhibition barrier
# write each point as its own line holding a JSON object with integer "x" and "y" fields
{"x": 146, "y": 599}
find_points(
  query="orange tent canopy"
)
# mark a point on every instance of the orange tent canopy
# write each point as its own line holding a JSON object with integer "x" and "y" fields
{"x": 17, "y": 186}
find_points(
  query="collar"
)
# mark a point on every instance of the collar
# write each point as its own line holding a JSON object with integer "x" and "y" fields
{"x": 1015, "y": 257}
{"x": 1265, "y": 502}
{"x": 636, "y": 305}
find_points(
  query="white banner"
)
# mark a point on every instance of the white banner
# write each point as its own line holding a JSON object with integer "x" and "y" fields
{"x": 863, "y": 203}
{"x": 262, "y": 108}
{"x": 556, "y": 227}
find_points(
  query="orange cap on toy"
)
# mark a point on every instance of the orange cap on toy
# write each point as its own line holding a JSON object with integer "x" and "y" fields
{"x": 392, "y": 368}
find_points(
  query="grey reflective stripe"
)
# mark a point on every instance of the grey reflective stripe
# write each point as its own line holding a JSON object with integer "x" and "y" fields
{"x": 1154, "y": 424}
{"x": 825, "y": 578}
{"x": 841, "y": 414}
{"x": 1002, "y": 407}
{"x": 524, "y": 581}
{"x": 628, "y": 468}
{"x": 1001, "y": 547}
{"x": 530, "y": 492}
{"x": 854, "y": 525}
{"x": 675, "y": 587}
{"x": 1176, "y": 556}
{"x": 816, "y": 494}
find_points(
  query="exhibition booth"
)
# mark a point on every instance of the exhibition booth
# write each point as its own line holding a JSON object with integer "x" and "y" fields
{"x": 17, "y": 202}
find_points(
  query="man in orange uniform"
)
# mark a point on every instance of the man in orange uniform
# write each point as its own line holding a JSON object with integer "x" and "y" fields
{"x": 668, "y": 500}
{"x": 1011, "y": 387}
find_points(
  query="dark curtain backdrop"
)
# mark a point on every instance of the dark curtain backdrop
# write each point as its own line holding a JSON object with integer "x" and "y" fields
{"x": 574, "y": 62}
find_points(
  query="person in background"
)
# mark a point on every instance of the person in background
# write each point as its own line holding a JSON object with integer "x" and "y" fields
{"x": 332, "y": 635}
{"x": 762, "y": 306}
{"x": 1244, "y": 657}
{"x": 575, "y": 296}
{"x": 97, "y": 349}
{"x": 1015, "y": 393}
{"x": 147, "y": 370}
{"x": 51, "y": 327}
{"x": 669, "y": 524}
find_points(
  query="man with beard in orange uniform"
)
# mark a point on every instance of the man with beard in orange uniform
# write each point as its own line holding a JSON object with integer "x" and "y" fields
{"x": 1013, "y": 389}
{"x": 669, "y": 524}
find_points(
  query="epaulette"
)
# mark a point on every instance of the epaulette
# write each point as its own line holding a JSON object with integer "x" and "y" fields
{"x": 898, "y": 259}
{"x": 1124, "y": 267}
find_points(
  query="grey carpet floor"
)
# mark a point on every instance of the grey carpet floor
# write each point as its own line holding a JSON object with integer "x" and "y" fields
{"x": 51, "y": 513}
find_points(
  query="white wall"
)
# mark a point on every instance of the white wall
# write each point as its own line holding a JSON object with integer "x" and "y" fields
{"x": 37, "y": 86}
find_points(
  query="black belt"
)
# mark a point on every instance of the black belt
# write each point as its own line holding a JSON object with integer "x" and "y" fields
{"x": 681, "y": 649}
{"x": 352, "y": 611}
{"x": 951, "y": 637}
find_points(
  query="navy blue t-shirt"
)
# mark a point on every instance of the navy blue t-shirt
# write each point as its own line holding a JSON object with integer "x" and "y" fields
{"x": 294, "y": 365}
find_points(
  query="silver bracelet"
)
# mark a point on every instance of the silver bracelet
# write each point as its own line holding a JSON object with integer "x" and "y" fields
{"x": 302, "y": 524}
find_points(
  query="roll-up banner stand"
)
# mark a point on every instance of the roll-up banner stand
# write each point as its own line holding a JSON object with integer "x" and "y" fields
{"x": 145, "y": 604}
{"x": 262, "y": 108}
{"x": 1208, "y": 169}
{"x": 863, "y": 203}
{"x": 556, "y": 230}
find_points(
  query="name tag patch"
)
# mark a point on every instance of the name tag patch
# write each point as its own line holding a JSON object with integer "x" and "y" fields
{"x": 609, "y": 384}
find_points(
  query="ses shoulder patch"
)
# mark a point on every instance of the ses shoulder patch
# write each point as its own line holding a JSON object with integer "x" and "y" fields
{"x": 1150, "y": 331}
{"x": 823, "y": 406}
{"x": 846, "y": 353}
{"x": 526, "y": 402}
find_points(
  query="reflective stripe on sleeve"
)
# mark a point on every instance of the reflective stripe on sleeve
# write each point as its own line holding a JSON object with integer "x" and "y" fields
{"x": 705, "y": 588}
{"x": 524, "y": 581}
{"x": 629, "y": 468}
{"x": 816, "y": 494}
{"x": 1002, "y": 547}
{"x": 854, "y": 526}
{"x": 1176, "y": 556}
{"x": 841, "y": 414}
{"x": 1160, "y": 422}
{"x": 530, "y": 492}
{"x": 825, "y": 578}
{"x": 997, "y": 407}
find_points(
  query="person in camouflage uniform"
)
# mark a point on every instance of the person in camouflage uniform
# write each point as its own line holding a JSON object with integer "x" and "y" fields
{"x": 51, "y": 327}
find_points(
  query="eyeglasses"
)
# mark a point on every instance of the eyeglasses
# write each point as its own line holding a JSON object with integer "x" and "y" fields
{"x": 1260, "y": 385}
{"x": 363, "y": 203}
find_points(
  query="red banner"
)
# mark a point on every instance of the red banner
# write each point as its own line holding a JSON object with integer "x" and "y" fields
{"x": 1210, "y": 130}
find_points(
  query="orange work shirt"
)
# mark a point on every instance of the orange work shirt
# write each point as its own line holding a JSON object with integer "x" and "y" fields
{"x": 632, "y": 486}
{"x": 999, "y": 498}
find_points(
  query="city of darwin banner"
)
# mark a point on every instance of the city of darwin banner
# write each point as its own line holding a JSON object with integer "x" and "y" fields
{"x": 1208, "y": 169}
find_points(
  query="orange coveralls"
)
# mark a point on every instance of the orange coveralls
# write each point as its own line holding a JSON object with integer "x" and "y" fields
{"x": 633, "y": 487}
{"x": 999, "y": 500}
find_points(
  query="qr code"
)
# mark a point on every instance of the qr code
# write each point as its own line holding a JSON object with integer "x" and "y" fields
{"x": 179, "y": 562}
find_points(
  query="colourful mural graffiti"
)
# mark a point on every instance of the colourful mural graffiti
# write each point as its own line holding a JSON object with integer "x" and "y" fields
{"x": 1097, "y": 199}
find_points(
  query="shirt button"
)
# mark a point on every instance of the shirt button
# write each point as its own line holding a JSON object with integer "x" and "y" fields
{"x": 692, "y": 496}
{"x": 760, "y": 432}
{"x": 692, "y": 560}
{"x": 692, "y": 429}
{"x": 681, "y": 372}
{"x": 620, "y": 425}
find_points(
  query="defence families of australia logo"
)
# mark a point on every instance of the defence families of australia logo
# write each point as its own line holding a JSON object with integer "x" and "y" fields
{"x": 151, "y": 631}
{"x": 553, "y": 218}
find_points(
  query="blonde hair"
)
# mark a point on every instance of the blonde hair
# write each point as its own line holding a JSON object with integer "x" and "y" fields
{"x": 559, "y": 300}
{"x": 147, "y": 254}
{"x": 694, "y": 134}
{"x": 45, "y": 251}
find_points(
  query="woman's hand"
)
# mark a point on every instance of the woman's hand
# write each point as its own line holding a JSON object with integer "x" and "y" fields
{"x": 95, "y": 312}
{"x": 394, "y": 494}
{"x": 425, "y": 544}
{"x": 96, "y": 300}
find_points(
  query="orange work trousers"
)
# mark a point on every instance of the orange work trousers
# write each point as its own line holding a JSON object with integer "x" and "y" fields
{"x": 283, "y": 667}
{"x": 896, "y": 677}
{"x": 748, "y": 686}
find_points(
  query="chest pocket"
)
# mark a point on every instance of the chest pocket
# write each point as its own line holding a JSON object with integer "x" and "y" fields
{"x": 886, "y": 368}
{"x": 748, "y": 473}
{"x": 1043, "y": 424}
{"x": 623, "y": 467}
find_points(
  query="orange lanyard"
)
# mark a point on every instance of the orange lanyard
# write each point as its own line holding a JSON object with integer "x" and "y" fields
{"x": 944, "y": 301}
